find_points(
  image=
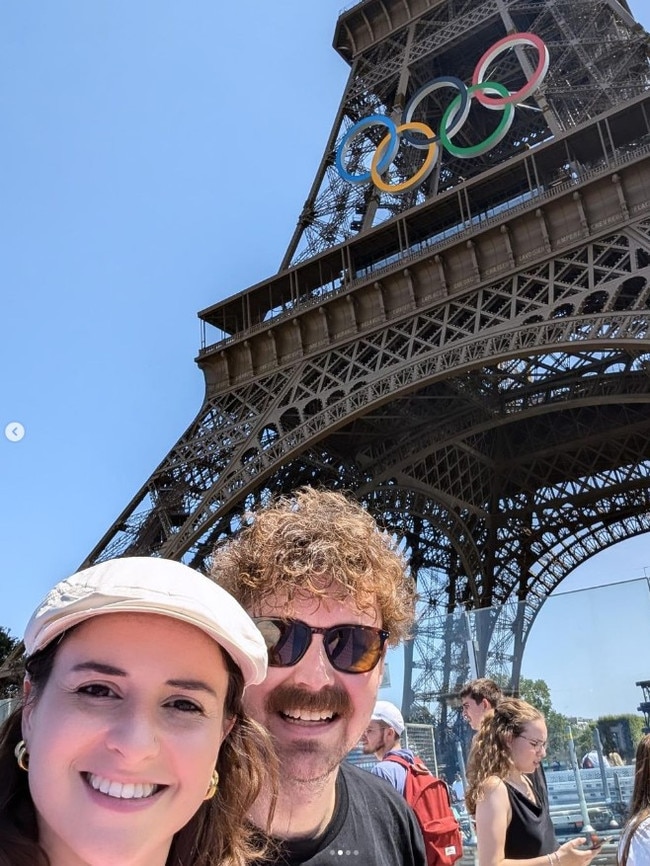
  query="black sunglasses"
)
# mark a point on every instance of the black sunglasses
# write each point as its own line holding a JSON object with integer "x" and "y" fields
{"x": 351, "y": 649}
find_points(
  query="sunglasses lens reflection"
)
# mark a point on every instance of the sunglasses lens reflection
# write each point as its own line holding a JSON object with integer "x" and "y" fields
{"x": 350, "y": 648}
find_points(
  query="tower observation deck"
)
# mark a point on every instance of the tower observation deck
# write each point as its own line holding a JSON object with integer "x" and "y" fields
{"x": 459, "y": 333}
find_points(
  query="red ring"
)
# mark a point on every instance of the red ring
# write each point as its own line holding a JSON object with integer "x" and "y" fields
{"x": 494, "y": 51}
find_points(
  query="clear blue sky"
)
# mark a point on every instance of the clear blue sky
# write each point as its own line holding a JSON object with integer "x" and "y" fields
{"x": 154, "y": 158}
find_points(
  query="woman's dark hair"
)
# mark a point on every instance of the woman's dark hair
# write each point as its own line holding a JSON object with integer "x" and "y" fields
{"x": 640, "y": 803}
{"x": 18, "y": 828}
{"x": 217, "y": 835}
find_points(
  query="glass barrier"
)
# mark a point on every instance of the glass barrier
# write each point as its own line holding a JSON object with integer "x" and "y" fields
{"x": 579, "y": 657}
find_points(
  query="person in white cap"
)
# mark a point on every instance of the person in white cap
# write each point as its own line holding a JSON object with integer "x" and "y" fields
{"x": 382, "y": 738}
{"x": 330, "y": 592}
{"x": 131, "y": 746}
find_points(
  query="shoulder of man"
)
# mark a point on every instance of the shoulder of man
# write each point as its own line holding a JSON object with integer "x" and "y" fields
{"x": 356, "y": 777}
{"x": 391, "y": 770}
{"x": 405, "y": 754}
{"x": 368, "y": 786}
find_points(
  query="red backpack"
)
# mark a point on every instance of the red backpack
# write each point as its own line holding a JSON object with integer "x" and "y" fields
{"x": 429, "y": 798}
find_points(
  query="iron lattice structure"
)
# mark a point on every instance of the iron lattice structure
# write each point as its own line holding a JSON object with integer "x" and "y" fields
{"x": 472, "y": 360}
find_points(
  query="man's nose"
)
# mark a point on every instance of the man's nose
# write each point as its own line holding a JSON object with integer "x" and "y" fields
{"x": 314, "y": 668}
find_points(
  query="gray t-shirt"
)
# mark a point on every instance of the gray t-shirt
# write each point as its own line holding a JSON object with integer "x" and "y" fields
{"x": 371, "y": 825}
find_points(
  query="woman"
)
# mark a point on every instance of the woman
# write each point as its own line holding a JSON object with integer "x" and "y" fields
{"x": 615, "y": 760}
{"x": 634, "y": 845}
{"x": 131, "y": 746}
{"x": 511, "y": 808}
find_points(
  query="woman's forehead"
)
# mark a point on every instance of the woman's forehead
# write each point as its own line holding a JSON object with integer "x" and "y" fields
{"x": 535, "y": 727}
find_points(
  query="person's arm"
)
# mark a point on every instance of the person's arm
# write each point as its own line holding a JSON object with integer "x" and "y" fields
{"x": 493, "y": 815}
{"x": 639, "y": 852}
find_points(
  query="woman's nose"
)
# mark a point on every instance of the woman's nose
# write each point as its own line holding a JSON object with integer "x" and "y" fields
{"x": 134, "y": 734}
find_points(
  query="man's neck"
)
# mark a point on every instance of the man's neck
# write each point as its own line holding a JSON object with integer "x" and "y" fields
{"x": 381, "y": 753}
{"x": 303, "y": 809}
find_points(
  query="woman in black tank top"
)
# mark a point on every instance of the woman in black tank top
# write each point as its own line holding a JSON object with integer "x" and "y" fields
{"x": 507, "y": 792}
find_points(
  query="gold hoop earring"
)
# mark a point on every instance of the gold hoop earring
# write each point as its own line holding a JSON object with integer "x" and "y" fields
{"x": 214, "y": 784}
{"x": 22, "y": 755}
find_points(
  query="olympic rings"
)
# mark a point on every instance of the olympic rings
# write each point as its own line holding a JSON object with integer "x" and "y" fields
{"x": 451, "y": 122}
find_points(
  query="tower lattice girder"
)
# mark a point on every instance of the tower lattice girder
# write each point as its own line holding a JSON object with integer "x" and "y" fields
{"x": 475, "y": 366}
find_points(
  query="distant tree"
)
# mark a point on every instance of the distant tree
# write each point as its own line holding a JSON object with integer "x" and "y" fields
{"x": 617, "y": 734}
{"x": 583, "y": 738}
{"x": 557, "y": 725}
{"x": 10, "y": 665}
{"x": 537, "y": 693}
{"x": 7, "y": 643}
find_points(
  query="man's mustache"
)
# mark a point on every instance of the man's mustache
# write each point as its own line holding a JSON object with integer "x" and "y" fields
{"x": 330, "y": 699}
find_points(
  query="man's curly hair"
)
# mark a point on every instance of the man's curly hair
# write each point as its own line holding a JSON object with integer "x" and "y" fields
{"x": 318, "y": 543}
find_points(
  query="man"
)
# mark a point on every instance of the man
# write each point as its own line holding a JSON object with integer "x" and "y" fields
{"x": 477, "y": 698}
{"x": 458, "y": 792}
{"x": 428, "y": 796}
{"x": 330, "y": 592}
{"x": 591, "y": 760}
{"x": 381, "y": 739}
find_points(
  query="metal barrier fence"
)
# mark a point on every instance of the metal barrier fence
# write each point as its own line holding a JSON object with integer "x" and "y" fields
{"x": 6, "y": 706}
{"x": 421, "y": 740}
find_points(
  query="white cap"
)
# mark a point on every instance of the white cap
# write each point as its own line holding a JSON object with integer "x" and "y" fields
{"x": 140, "y": 584}
{"x": 386, "y": 712}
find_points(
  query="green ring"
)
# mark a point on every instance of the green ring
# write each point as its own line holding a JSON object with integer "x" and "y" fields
{"x": 492, "y": 139}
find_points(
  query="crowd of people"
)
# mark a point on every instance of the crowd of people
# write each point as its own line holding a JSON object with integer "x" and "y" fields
{"x": 174, "y": 719}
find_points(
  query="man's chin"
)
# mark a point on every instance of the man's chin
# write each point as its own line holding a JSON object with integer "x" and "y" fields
{"x": 306, "y": 762}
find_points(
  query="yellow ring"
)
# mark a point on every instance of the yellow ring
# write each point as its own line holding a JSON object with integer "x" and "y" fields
{"x": 420, "y": 174}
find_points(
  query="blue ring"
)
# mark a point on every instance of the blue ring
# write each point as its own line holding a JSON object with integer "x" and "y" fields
{"x": 387, "y": 158}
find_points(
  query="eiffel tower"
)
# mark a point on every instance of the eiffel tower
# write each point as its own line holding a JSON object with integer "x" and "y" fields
{"x": 459, "y": 332}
